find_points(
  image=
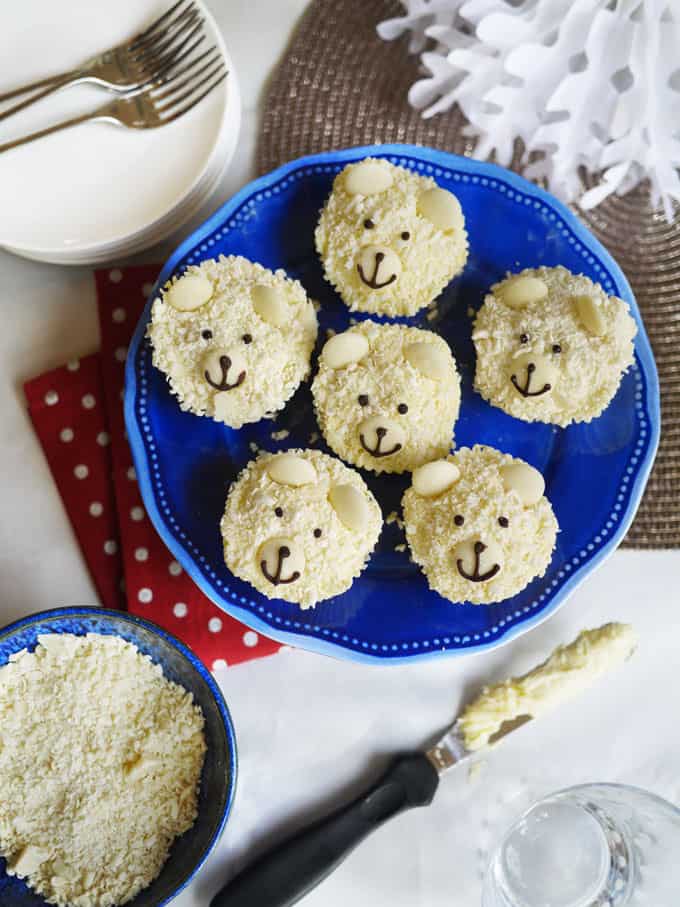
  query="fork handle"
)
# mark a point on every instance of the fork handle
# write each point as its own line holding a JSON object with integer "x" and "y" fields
{"x": 65, "y": 124}
{"x": 49, "y": 86}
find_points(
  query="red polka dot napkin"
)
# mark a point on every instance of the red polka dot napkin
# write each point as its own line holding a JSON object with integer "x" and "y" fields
{"x": 77, "y": 412}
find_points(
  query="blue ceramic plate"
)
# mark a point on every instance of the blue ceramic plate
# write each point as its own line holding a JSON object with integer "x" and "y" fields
{"x": 218, "y": 781}
{"x": 595, "y": 473}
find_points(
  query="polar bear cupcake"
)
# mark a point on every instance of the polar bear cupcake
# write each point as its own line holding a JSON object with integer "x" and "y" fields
{"x": 233, "y": 339}
{"x": 390, "y": 240}
{"x": 387, "y": 396}
{"x": 551, "y": 346}
{"x": 479, "y": 525}
{"x": 299, "y": 525}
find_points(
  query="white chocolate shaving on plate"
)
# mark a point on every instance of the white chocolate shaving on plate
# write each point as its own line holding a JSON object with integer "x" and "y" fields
{"x": 570, "y": 670}
{"x": 100, "y": 762}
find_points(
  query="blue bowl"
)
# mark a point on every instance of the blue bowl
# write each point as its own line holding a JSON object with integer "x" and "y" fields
{"x": 218, "y": 781}
{"x": 595, "y": 473}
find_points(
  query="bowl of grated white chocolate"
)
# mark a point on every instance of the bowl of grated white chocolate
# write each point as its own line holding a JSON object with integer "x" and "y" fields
{"x": 117, "y": 761}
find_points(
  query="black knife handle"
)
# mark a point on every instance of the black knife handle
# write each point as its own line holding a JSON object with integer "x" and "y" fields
{"x": 284, "y": 875}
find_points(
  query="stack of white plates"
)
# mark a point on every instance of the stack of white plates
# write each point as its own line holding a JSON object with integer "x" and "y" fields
{"x": 97, "y": 192}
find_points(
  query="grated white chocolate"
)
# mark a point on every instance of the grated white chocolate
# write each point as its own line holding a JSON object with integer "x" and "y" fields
{"x": 388, "y": 378}
{"x": 328, "y": 563}
{"x": 100, "y": 763}
{"x": 522, "y": 549}
{"x": 569, "y": 671}
{"x": 275, "y": 361}
{"x": 583, "y": 375}
{"x": 425, "y": 262}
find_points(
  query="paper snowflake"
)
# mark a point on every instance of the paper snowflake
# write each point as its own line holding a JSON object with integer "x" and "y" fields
{"x": 590, "y": 83}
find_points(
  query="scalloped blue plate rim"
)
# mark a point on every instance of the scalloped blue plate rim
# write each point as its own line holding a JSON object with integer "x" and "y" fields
{"x": 195, "y": 661}
{"x": 441, "y": 159}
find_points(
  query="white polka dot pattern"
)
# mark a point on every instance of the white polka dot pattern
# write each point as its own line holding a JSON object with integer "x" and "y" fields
{"x": 66, "y": 435}
{"x": 51, "y": 397}
{"x": 180, "y": 610}
{"x": 96, "y": 508}
{"x": 145, "y": 595}
{"x": 81, "y": 471}
{"x": 89, "y": 401}
{"x": 215, "y": 624}
{"x": 250, "y": 639}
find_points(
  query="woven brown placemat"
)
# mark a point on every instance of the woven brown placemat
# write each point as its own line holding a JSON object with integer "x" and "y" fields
{"x": 340, "y": 85}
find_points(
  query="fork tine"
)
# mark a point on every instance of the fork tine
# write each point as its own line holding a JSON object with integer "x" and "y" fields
{"x": 195, "y": 101}
{"x": 160, "y": 47}
{"x": 166, "y": 76}
{"x": 171, "y": 59}
{"x": 211, "y": 67}
{"x": 154, "y": 25}
{"x": 141, "y": 42}
{"x": 171, "y": 97}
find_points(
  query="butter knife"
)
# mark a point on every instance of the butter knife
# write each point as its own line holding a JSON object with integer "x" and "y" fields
{"x": 285, "y": 874}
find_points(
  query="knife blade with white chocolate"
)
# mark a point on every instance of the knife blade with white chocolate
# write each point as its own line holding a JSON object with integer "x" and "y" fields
{"x": 284, "y": 875}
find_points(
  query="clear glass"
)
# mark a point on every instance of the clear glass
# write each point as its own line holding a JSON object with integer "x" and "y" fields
{"x": 597, "y": 845}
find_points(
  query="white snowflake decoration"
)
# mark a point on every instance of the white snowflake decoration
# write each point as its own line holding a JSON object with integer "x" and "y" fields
{"x": 592, "y": 83}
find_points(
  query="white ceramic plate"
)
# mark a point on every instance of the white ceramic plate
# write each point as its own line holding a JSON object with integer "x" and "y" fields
{"x": 97, "y": 190}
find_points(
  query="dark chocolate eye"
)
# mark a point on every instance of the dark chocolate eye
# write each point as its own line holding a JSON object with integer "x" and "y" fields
{"x": 523, "y": 338}
{"x": 459, "y": 519}
{"x": 317, "y": 533}
{"x": 405, "y": 235}
{"x": 556, "y": 348}
{"x": 402, "y": 408}
{"x": 368, "y": 223}
{"x": 278, "y": 511}
{"x": 207, "y": 334}
{"x": 503, "y": 521}
{"x": 247, "y": 338}
{"x": 363, "y": 399}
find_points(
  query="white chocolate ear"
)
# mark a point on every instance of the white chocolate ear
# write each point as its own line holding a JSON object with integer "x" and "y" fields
{"x": 590, "y": 315}
{"x": 525, "y": 480}
{"x": 350, "y": 506}
{"x": 289, "y": 469}
{"x": 433, "y": 479}
{"x": 189, "y": 292}
{"x": 521, "y": 290}
{"x": 429, "y": 358}
{"x": 344, "y": 349}
{"x": 368, "y": 178}
{"x": 442, "y": 209}
{"x": 269, "y": 305}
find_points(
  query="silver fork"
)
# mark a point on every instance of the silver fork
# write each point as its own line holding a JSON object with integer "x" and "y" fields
{"x": 163, "y": 100}
{"x": 130, "y": 65}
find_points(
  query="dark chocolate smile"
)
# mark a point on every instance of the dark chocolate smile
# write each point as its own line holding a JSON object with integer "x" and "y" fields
{"x": 223, "y": 385}
{"x": 372, "y": 282}
{"x": 284, "y": 552}
{"x": 476, "y": 576}
{"x": 380, "y": 432}
{"x": 524, "y": 391}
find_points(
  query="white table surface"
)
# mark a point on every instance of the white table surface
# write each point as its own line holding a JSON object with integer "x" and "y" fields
{"x": 311, "y": 728}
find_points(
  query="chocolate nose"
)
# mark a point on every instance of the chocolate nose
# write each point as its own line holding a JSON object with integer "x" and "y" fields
{"x": 378, "y": 266}
{"x": 381, "y": 437}
{"x": 281, "y": 561}
{"x": 478, "y": 561}
{"x": 224, "y": 369}
{"x": 532, "y": 375}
